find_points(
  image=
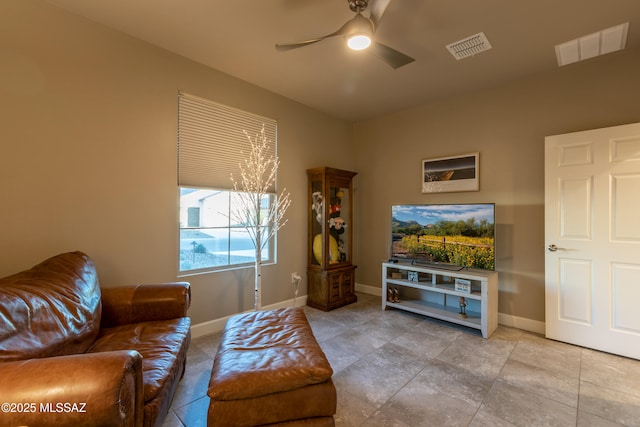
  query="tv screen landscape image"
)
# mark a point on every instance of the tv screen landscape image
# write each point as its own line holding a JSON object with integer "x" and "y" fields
{"x": 452, "y": 235}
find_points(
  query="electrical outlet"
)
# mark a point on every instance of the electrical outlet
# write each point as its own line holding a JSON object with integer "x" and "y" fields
{"x": 294, "y": 277}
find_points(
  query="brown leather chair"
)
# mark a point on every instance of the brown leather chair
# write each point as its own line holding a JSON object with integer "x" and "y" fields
{"x": 73, "y": 354}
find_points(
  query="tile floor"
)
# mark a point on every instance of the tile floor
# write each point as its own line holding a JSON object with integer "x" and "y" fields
{"x": 393, "y": 368}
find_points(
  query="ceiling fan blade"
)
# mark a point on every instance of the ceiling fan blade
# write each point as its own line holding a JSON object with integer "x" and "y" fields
{"x": 389, "y": 55}
{"x": 281, "y": 47}
{"x": 377, "y": 8}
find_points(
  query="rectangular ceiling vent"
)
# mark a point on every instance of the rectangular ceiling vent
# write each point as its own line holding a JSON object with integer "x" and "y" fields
{"x": 470, "y": 46}
{"x": 592, "y": 45}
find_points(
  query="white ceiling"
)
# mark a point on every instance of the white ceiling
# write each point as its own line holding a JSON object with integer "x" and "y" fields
{"x": 238, "y": 38}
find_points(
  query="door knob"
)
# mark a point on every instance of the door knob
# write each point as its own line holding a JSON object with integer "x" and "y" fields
{"x": 552, "y": 248}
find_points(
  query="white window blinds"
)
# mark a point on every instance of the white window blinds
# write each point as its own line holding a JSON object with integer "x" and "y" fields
{"x": 212, "y": 142}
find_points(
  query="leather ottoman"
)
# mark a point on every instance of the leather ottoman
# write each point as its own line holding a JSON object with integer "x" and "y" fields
{"x": 270, "y": 370}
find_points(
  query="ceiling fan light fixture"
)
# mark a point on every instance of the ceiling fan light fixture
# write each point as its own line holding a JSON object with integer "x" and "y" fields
{"x": 359, "y": 32}
{"x": 359, "y": 41}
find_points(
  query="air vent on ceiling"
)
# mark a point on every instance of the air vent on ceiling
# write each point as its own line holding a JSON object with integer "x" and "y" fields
{"x": 470, "y": 46}
{"x": 591, "y": 45}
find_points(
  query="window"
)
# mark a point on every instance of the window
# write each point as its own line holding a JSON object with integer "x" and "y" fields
{"x": 208, "y": 237}
{"x": 212, "y": 140}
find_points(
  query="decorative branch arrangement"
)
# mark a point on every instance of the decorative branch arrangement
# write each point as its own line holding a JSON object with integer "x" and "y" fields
{"x": 257, "y": 176}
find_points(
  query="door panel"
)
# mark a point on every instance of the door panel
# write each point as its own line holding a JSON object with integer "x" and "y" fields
{"x": 625, "y": 294}
{"x": 625, "y": 225}
{"x": 576, "y": 206}
{"x": 575, "y": 294}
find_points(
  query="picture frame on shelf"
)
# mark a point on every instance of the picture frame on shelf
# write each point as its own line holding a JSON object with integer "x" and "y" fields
{"x": 462, "y": 285}
{"x": 451, "y": 174}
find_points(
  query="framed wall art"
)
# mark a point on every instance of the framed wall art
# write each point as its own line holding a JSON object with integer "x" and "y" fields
{"x": 450, "y": 174}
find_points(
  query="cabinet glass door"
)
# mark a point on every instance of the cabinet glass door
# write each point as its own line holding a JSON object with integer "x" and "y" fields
{"x": 317, "y": 220}
{"x": 337, "y": 223}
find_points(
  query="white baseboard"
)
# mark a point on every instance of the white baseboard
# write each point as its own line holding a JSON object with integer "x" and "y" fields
{"x": 366, "y": 289}
{"x": 217, "y": 325}
{"x": 209, "y": 327}
{"x": 521, "y": 323}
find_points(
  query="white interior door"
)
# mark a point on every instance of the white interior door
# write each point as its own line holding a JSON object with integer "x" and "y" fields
{"x": 592, "y": 237}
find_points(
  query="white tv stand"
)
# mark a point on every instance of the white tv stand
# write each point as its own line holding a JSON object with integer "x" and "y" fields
{"x": 431, "y": 291}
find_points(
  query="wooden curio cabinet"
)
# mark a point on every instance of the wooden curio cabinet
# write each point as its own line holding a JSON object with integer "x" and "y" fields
{"x": 331, "y": 275}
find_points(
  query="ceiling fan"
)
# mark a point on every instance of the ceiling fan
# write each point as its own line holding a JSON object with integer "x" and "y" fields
{"x": 359, "y": 32}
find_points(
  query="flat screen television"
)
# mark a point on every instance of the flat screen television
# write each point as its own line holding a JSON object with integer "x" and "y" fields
{"x": 454, "y": 236}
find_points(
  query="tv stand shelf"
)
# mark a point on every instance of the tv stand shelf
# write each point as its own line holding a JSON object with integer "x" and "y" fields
{"x": 431, "y": 291}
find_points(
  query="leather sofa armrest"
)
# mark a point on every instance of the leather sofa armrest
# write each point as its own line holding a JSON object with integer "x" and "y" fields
{"x": 143, "y": 303}
{"x": 79, "y": 390}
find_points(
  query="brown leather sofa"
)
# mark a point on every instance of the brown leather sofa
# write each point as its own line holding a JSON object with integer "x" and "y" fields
{"x": 72, "y": 354}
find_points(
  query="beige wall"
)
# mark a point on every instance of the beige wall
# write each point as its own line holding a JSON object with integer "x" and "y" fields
{"x": 88, "y": 159}
{"x": 507, "y": 125}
